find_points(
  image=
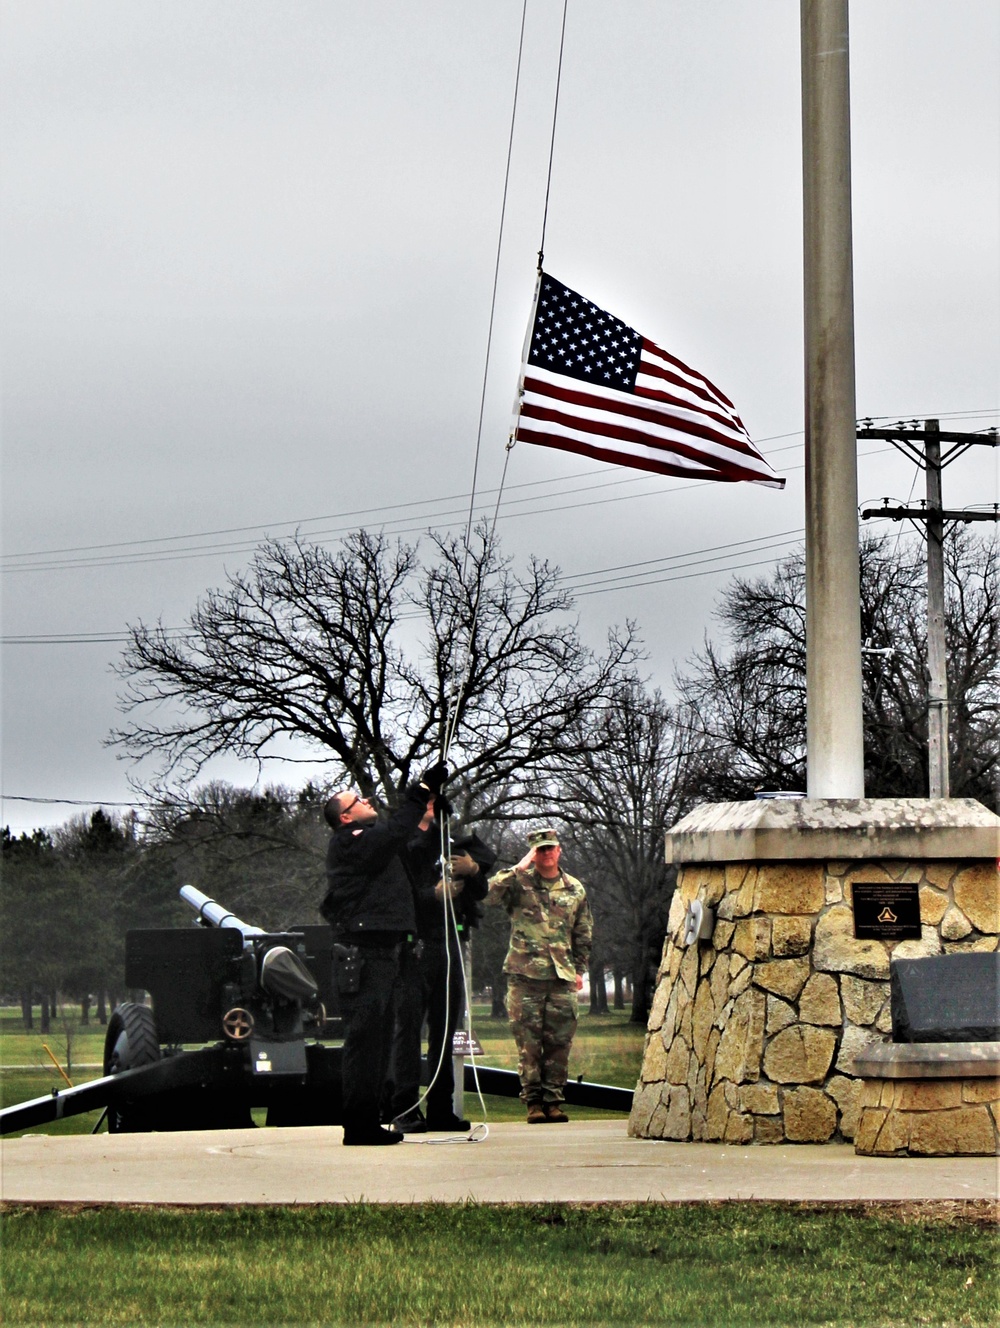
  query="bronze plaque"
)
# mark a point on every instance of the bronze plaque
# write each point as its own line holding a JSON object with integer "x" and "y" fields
{"x": 886, "y": 910}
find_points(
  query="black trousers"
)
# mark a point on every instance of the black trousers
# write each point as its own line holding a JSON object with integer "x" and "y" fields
{"x": 367, "y": 1015}
{"x": 424, "y": 990}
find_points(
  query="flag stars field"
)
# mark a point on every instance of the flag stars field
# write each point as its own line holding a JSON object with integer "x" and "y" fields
{"x": 587, "y": 337}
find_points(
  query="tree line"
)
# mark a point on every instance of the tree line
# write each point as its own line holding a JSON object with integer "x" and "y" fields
{"x": 371, "y": 655}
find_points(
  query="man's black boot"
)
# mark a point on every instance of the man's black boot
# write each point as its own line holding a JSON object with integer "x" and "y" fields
{"x": 447, "y": 1124}
{"x": 372, "y": 1137}
{"x": 410, "y": 1122}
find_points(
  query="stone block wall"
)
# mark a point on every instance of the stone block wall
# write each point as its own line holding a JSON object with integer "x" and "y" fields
{"x": 929, "y": 1118}
{"x": 752, "y": 1035}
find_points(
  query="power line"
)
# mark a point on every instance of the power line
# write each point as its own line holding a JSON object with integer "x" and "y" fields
{"x": 324, "y": 535}
{"x": 638, "y": 585}
{"x": 940, "y": 415}
{"x": 715, "y": 548}
{"x": 50, "y": 561}
{"x": 19, "y": 562}
{"x": 651, "y": 493}
{"x": 584, "y": 578}
{"x": 12, "y": 561}
{"x": 297, "y": 523}
{"x": 77, "y": 639}
{"x": 584, "y": 588}
{"x": 586, "y": 581}
{"x": 317, "y": 536}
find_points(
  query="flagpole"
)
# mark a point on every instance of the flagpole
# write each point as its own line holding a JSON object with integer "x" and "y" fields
{"x": 834, "y": 737}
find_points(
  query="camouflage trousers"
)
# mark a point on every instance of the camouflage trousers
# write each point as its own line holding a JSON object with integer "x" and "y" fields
{"x": 543, "y": 1020}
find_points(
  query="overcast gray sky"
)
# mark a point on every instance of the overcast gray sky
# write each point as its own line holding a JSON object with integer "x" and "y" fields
{"x": 248, "y": 258}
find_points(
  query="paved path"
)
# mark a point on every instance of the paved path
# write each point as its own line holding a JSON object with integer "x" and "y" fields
{"x": 585, "y": 1161}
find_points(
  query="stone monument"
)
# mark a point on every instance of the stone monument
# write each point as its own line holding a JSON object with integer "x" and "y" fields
{"x": 755, "y": 1027}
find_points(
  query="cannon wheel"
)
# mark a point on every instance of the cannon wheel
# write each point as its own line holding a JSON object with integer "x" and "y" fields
{"x": 130, "y": 1041}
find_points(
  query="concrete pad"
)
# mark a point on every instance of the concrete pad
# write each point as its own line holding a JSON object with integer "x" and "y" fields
{"x": 583, "y": 1162}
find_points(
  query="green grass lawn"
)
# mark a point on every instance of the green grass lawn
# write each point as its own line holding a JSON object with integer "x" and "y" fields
{"x": 21, "y": 1047}
{"x": 27, "y": 1072}
{"x": 714, "y": 1264}
{"x": 607, "y": 1050}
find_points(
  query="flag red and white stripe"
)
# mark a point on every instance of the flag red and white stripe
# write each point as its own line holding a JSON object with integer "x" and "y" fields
{"x": 592, "y": 385}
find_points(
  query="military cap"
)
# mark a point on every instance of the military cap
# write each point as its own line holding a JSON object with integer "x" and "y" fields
{"x": 546, "y": 838}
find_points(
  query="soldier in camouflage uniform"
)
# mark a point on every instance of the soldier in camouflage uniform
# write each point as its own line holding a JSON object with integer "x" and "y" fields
{"x": 550, "y": 936}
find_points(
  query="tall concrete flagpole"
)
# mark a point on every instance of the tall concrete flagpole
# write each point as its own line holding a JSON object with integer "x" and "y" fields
{"x": 835, "y": 749}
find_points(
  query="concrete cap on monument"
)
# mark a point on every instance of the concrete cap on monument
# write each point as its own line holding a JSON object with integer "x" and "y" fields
{"x": 773, "y": 829}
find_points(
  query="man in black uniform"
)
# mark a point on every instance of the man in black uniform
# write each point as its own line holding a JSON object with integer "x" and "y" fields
{"x": 431, "y": 982}
{"x": 369, "y": 904}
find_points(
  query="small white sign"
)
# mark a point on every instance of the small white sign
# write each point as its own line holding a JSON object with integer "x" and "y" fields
{"x": 461, "y": 1046}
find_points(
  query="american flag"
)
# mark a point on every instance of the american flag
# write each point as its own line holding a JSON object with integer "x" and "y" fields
{"x": 592, "y": 384}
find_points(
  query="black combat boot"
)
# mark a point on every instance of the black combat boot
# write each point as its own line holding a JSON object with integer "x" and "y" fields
{"x": 410, "y": 1122}
{"x": 447, "y": 1123}
{"x": 371, "y": 1136}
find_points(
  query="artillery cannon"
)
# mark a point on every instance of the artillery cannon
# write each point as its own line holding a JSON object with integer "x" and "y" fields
{"x": 238, "y": 981}
{"x": 256, "y": 995}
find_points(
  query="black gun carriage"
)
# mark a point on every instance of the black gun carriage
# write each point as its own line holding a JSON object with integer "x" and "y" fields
{"x": 265, "y": 1002}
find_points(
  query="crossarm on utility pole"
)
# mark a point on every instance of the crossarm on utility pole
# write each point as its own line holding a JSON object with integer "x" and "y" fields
{"x": 920, "y": 514}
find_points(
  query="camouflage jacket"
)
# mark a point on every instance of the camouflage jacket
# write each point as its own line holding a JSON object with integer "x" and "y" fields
{"x": 551, "y": 924}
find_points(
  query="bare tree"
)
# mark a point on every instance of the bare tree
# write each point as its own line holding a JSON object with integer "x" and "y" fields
{"x": 747, "y": 703}
{"x": 973, "y": 625}
{"x": 621, "y": 794}
{"x": 362, "y": 654}
{"x": 259, "y": 852}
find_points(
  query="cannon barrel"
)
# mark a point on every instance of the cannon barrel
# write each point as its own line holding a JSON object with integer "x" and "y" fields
{"x": 214, "y": 914}
{"x": 280, "y": 972}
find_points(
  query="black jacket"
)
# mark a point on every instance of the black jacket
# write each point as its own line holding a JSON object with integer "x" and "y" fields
{"x": 426, "y": 869}
{"x": 369, "y": 888}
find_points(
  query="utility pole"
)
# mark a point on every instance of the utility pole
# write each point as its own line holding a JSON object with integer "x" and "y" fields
{"x": 935, "y": 518}
{"x": 834, "y": 735}
{"x": 939, "y": 784}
